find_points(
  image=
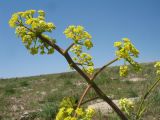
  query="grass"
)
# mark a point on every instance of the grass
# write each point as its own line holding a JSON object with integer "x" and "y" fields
{"x": 24, "y": 83}
{"x": 49, "y": 111}
{"x": 9, "y": 90}
{"x": 44, "y": 92}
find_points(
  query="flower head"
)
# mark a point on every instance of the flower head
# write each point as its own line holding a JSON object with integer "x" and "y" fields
{"x": 28, "y": 27}
{"x": 123, "y": 70}
{"x": 126, "y": 105}
{"x": 157, "y": 66}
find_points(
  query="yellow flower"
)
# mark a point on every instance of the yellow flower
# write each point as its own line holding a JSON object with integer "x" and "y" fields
{"x": 13, "y": 21}
{"x": 41, "y": 12}
{"x": 50, "y": 25}
{"x": 32, "y": 12}
{"x": 87, "y": 35}
{"x": 157, "y": 65}
{"x": 88, "y": 43}
{"x": 61, "y": 114}
{"x": 135, "y": 52}
{"x": 122, "y": 53}
{"x": 28, "y": 27}
{"x": 69, "y": 111}
{"x": 117, "y": 44}
{"x": 125, "y": 39}
{"x": 79, "y": 111}
{"x": 26, "y": 38}
{"x": 73, "y": 118}
{"x": 126, "y": 105}
{"x": 29, "y": 21}
{"x": 76, "y": 33}
{"x": 90, "y": 70}
{"x": 127, "y": 46}
{"x": 127, "y": 51}
{"x": 20, "y": 31}
{"x": 79, "y": 29}
{"x": 123, "y": 70}
{"x": 89, "y": 113}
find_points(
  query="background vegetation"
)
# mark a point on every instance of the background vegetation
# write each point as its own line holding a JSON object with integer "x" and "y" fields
{"x": 40, "y": 95}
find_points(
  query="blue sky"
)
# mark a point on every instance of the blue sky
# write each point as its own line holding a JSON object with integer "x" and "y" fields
{"x": 106, "y": 20}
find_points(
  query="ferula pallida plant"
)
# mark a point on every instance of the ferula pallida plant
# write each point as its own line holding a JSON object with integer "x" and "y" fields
{"x": 31, "y": 26}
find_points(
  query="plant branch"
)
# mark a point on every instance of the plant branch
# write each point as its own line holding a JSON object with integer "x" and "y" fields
{"x": 83, "y": 64}
{"x": 69, "y": 48}
{"x": 96, "y": 88}
{"x": 55, "y": 46}
{"x": 145, "y": 96}
{"x": 93, "y": 84}
{"x": 94, "y": 76}
{"x": 89, "y": 100}
{"x": 103, "y": 67}
{"x": 83, "y": 95}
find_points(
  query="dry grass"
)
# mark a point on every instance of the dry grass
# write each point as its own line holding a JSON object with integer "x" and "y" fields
{"x": 18, "y": 95}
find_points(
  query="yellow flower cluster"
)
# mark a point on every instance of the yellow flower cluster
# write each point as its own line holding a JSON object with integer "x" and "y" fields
{"x": 123, "y": 71}
{"x": 67, "y": 114}
{"x": 83, "y": 59}
{"x": 79, "y": 35}
{"x": 88, "y": 43}
{"x": 13, "y": 22}
{"x": 90, "y": 113}
{"x": 135, "y": 64}
{"x": 157, "y": 66}
{"x": 81, "y": 38}
{"x": 89, "y": 70}
{"x": 117, "y": 44}
{"x": 37, "y": 24}
{"x": 68, "y": 102}
{"x": 126, "y": 105}
{"x": 29, "y": 27}
{"x": 80, "y": 112}
{"x": 66, "y": 111}
{"x": 127, "y": 51}
{"x": 76, "y": 49}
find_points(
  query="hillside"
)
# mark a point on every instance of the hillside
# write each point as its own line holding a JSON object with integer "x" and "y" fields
{"x": 40, "y": 95}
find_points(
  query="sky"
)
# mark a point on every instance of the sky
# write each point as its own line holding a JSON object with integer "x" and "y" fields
{"x": 106, "y": 20}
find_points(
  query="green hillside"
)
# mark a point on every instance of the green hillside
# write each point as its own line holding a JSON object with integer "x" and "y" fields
{"x": 40, "y": 95}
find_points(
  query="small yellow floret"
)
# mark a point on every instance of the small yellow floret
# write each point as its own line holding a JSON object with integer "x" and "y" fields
{"x": 117, "y": 44}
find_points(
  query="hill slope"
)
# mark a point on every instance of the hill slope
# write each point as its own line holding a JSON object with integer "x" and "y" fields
{"x": 41, "y": 95}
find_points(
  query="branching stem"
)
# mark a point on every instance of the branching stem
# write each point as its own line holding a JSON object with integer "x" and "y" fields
{"x": 68, "y": 48}
{"x": 88, "y": 80}
{"x": 89, "y": 100}
{"x": 93, "y": 77}
{"x": 103, "y": 67}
